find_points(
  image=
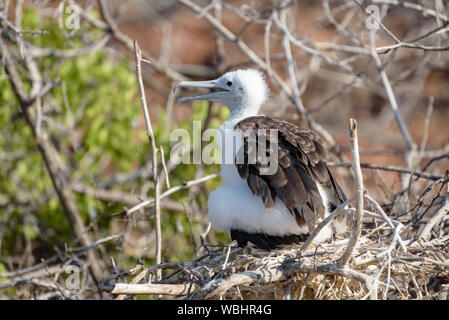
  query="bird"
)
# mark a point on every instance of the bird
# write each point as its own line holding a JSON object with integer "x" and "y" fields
{"x": 267, "y": 209}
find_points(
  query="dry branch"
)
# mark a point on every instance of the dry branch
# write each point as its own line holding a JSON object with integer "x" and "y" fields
{"x": 154, "y": 152}
{"x": 170, "y": 191}
{"x": 416, "y": 173}
{"x": 153, "y": 289}
{"x": 436, "y": 218}
{"x": 357, "y": 222}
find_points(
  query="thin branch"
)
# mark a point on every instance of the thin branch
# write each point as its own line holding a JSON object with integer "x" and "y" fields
{"x": 419, "y": 174}
{"x": 357, "y": 224}
{"x": 390, "y": 95}
{"x": 122, "y": 197}
{"x": 171, "y": 191}
{"x": 154, "y": 152}
{"x": 153, "y": 289}
{"x": 79, "y": 251}
{"x": 436, "y": 218}
{"x": 387, "y": 219}
{"x": 414, "y": 6}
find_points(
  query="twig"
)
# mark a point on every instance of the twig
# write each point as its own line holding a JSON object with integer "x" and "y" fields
{"x": 154, "y": 152}
{"x": 167, "y": 178}
{"x": 153, "y": 289}
{"x": 414, "y": 6}
{"x": 136, "y": 279}
{"x": 219, "y": 41}
{"x": 357, "y": 224}
{"x": 37, "y": 52}
{"x": 171, "y": 191}
{"x": 387, "y": 219}
{"x": 419, "y": 174}
{"x": 390, "y": 94}
{"x": 436, "y": 218}
{"x": 79, "y": 251}
{"x": 125, "y": 198}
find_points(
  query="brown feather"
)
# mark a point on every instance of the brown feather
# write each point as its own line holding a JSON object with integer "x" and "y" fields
{"x": 301, "y": 166}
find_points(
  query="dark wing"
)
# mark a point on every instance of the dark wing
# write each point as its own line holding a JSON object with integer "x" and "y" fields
{"x": 300, "y": 167}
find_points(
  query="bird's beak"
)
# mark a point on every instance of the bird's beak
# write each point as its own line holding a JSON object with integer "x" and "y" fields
{"x": 218, "y": 93}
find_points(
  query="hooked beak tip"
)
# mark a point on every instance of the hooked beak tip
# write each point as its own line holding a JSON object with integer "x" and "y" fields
{"x": 182, "y": 99}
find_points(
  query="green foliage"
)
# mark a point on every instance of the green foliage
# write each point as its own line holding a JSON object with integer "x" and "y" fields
{"x": 2, "y": 270}
{"x": 97, "y": 108}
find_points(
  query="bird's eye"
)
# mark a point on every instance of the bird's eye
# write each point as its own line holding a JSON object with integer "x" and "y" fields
{"x": 229, "y": 83}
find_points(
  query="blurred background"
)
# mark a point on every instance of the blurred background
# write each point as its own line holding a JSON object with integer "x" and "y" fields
{"x": 73, "y": 149}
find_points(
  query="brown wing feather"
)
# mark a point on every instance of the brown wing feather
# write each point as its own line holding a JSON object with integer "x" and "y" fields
{"x": 300, "y": 167}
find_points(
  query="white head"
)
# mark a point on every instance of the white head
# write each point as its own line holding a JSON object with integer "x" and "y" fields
{"x": 242, "y": 91}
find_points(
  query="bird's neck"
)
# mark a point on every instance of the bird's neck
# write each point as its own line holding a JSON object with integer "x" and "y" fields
{"x": 240, "y": 113}
{"x": 231, "y": 141}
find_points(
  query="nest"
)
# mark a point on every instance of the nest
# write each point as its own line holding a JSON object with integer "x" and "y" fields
{"x": 379, "y": 269}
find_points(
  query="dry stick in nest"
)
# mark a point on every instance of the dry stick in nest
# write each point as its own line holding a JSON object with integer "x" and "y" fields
{"x": 388, "y": 220}
{"x": 357, "y": 223}
{"x": 154, "y": 152}
{"x": 435, "y": 219}
{"x": 150, "y": 289}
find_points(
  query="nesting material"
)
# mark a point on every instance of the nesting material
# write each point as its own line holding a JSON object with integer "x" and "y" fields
{"x": 378, "y": 269}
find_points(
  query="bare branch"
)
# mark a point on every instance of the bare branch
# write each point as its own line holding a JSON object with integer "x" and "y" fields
{"x": 357, "y": 224}
{"x": 154, "y": 152}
